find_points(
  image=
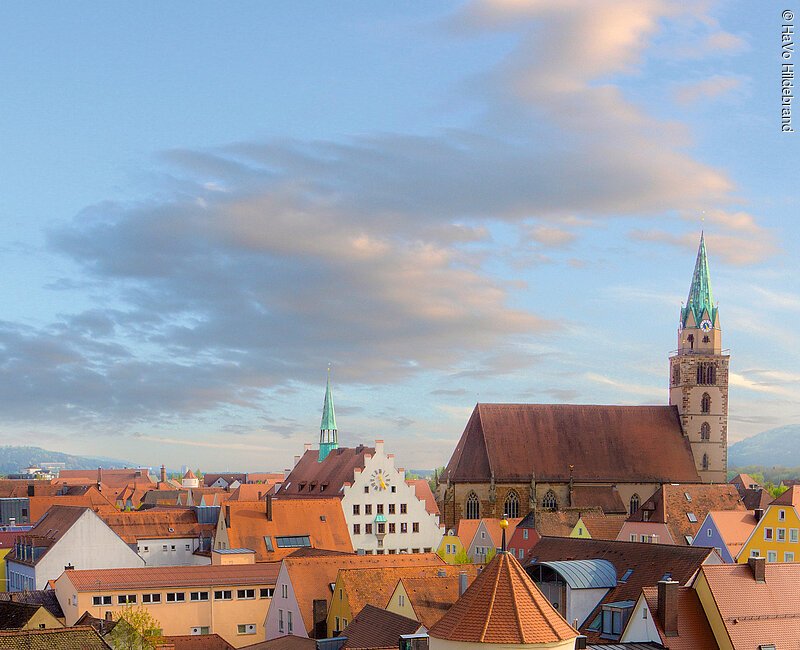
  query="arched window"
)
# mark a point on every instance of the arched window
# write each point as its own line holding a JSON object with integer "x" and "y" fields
{"x": 511, "y": 508}
{"x": 705, "y": 403}
{"x": 705, "y": 431}
{"x": 473, "y": 509}
{"x": 634, "y": 503}
{"x": 705, "y": 461}
{"x": 549, "y": 502}
{"x": 676, "y": 374}
{"x": 706, "y": 374}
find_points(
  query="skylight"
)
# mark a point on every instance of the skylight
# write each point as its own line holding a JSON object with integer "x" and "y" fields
{"x": 628, "y": 573}
{"x": 688, "y": 496}
{"x": 692, "y": 517}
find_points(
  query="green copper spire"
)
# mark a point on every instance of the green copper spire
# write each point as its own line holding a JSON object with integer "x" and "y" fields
{"x": 328, "y": 435}
{"x": 700, "y": 297}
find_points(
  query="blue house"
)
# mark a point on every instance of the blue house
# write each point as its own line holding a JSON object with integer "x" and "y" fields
{"x": 726, "y": 531}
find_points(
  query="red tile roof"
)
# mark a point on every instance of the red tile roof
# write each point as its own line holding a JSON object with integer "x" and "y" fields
{"x": 603, "y": 527}
{"x": 735, "y": 527}
{"x": 115, "y": 478}
{"x": 757, "y": 613}
{"x": 310, "y": 478}
{"x": 195, "y": 642}
{"x": 288, "y": 642}
{"x": 63, "y": 638}
{"x": 431, "y": 597}
{"x": 321, "y": 519}
{"x": 694, "y": 632}
{"x": 503, "y": 605}
{"x": 376, "y": 629}
{"x": 599, "y": 496}
{"x": 264, "y": 573}
{"x": 789, "y": 498}
{"x": 174, "y": 523}
{"x": 423, "y": 492}
{"x": 638, "y": 444}
{"x": 670, "y": 505}
{"x": 91, "y": 498}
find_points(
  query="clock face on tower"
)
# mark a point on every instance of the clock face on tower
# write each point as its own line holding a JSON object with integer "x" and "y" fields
{"x": 705, "y": 325}
{"x": 379, "y": 480}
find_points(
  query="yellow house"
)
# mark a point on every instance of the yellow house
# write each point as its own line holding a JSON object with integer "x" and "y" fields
{"x": 22, "y": 616}
{"x": 580, "y": 530}
{"x": 777, "y": 534}
{"x": 450, "y": 548}
{"x": 3, "y": 582}
{"x": 228, "y": 599}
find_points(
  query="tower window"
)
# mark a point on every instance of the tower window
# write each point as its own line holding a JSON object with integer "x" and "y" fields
{"x": 511, "y": 508}
{"x": 676, "y": 373}
{"x": 706, "y": 374}
{"x": 690, "y": 338}
{"x": 705, "y": 431}
{"x": 634, "y": 503}
{"x": 473, "y": 509}
{"x": 705, "y": 339}
{"x": 549, "y": 502}
{"x": 705, "y": 403}
{"x": 705, "y": 461}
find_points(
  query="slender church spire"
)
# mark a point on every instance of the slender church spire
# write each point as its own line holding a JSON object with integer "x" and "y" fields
{"x": 328, "y": 433}
{"x": 701, "y": 299}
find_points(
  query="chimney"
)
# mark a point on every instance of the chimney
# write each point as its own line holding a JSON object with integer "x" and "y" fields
{"x": 320, "y": 615}
{"x": 99, "y": 477}
{"x": 296, "y": 460}
{"x": 307, "y": 447}
{"x": 286, "y": 473}
{"x": 668, "y": 606}
{"x": 758, "y": 513}
{"x": 462, "y": 583}
{"x": 31, "y": 489}
{"x": 163, "y": 474}
{"x": 269, "y": 507}
{"x": 759, "y": 568}
{"x": 227, "y": 516}
{"x": 580, "y": 642}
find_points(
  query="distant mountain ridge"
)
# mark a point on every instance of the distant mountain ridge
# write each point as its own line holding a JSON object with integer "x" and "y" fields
{"x": 14, "y": 459}
{"x": 774, "y": 447}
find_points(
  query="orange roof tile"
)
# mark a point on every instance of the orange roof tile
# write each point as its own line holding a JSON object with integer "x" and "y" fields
{"x": 789, "y": 498}
{"x": 757, "y": 613}
{"x": 694, "y": 632}
{"x": 115, "y": 478}
{"x": 503, "y": 605}
{"x": 195, "y": 642}
{"x": 321, "y": 519}
{"x": 189, "y": 474}
{"x": 311, "y": 577}
{"x": 156, "y": 524}
{"x": 252, "y": 491}
{"x": 92, "y": 498}
{"x": 173, "y": 576}
{"x": 375, "y": 585}
{"x": 466, "y": 529}
{"x": 734, "y": 527}
{"x": 496, "y": 531}
{"x": 422, "y": 489}
{"x": 431, "y": 597}
{"x": 603, "y": 527}
{"x": 265, "y": 477}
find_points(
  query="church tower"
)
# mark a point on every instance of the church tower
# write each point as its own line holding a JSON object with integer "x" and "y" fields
{"x": 328, "y": 434}
{"x": 699, "y": 376}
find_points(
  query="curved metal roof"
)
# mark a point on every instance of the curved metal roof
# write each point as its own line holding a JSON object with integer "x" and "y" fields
{"x": 585, "y": 574}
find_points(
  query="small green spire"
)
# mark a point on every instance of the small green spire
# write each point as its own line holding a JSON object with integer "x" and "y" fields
{"x": 328, "y": 434}
{"x": 700, "y": 297}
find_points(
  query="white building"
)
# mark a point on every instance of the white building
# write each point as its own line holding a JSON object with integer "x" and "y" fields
{"x": 385, "y": 513}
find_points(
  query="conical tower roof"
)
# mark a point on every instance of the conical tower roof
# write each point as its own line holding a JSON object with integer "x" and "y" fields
{"x": 328, "y": 413}
{"x": 700, "y": 297}
{"x": 503, "y": 605}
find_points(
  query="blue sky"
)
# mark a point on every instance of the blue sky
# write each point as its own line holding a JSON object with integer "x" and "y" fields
{"x": 202, "y": 205}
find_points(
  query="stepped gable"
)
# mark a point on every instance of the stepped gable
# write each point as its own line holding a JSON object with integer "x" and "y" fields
{"x": 311, "y": 478}
{"x": 503, "y": 605}
{"x": 637, "y": 444}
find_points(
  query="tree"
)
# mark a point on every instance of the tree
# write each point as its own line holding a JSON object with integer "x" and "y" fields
{"x": 462, "y": 557}
{"x": 490, "y": 555}
{"x": 433, "y": 481}
{"x": 136, "y": 629}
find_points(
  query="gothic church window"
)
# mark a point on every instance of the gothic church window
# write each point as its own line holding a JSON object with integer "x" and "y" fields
{"x": 473, "y": 509}
{"x": 706, "y": 374}
{"x": 705, "y": 431}
{"x": 634, "y": 503}
{"x": 549, "y": 502}
{"x": 705, "y": 461}
{"x": 705, "y": 403}
{"x": 511, "y": 508}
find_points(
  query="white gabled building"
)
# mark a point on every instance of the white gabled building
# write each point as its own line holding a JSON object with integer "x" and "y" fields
{"x": 385, "y": 513}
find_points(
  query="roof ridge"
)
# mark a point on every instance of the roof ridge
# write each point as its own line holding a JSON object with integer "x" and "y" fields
{"x": 491, "y": 604}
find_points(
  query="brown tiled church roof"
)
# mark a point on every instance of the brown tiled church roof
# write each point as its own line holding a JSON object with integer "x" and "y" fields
{"x": 503, "y": 605}
{"x": 638, "y": 444}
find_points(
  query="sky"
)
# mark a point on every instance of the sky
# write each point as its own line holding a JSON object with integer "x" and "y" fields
{"x": 204, "y": 205}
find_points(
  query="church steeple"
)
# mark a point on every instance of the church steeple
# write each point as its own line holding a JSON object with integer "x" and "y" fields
{"x": 700, "y": 303}
{"x": 328, "y": 433}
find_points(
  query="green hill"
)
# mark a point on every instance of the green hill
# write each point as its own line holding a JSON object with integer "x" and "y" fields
{"x": 775, "y": 447}
{"x": 14, "y": 459}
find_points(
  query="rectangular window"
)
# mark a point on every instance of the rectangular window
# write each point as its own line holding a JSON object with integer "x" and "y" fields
{"x": 415, "y": 527}
{"x": 521, "y": 554}
{"x": 379, "y": 508}
{"x": 381, "y": 528}
{"x": 768, "y": 534}
{"x": 176, "y": 597}
{"x": 164, "y": 547}
{"x": 403, "y": 509}
{"x": 126, "y": 599}
{"x": 188, "y": 548}
{"x": 708, "y": 532}
{"x": 101, "y": 600}
{"x": 368, "y": 509}
{"x": 151, "y": 598}
{"x": 198, "y": 595}
{"x": 793, "y": 535}
{"x": 368, "y": 529}
{"x": 691, "y": 517}
{"x": 247, "y": 628}
{"x": 772, "y": 556}
{"x": 356, "y": 529}
{"x": 268, "y": 542}
{"x": 403, "y": 527}
{"x": 284, "y": 591}
{"x": 633, "y": 537}
{"x": 289, "y": 622}
{"x": 223, "y": 594}
{"x": 366, "y": 489}
{"x": 781, "y": 515}
{"x": 280, "y": 620}
{"x": 524, "y": 533}
{"x": 391, "y": 528}
{"x": 755, "y": 553}
{"x": 203, "y": 629}
{"x": 394, "y": 488}
{"x": 265, "y": 592}
{"x": 788, "y": 557}
{"x": 356, "y": 509}
{"x": 295, "y": 541}
{"x": 245, "y": 594}
{"x": 172, "y": 548}
{"x": 391, "y": 508}
{"x": 781, "y": 534}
